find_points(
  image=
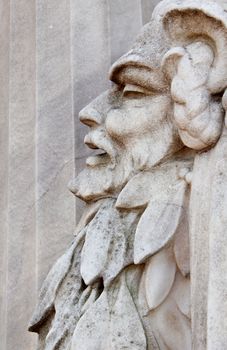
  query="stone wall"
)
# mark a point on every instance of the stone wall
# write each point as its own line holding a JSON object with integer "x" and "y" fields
{"x": 55, "y": 59}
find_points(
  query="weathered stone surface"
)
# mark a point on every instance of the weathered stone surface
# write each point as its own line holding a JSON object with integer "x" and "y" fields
{"x": 39, "y": 110}
{"x": 43, "y": 49}
{"x": 130, "y": 279}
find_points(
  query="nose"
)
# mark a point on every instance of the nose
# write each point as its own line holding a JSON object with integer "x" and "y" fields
{"x": 90, "y": 116}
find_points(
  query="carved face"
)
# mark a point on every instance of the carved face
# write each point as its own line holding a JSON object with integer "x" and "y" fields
{"x": 131, "y": 126}
{"x": 163, "y": 97}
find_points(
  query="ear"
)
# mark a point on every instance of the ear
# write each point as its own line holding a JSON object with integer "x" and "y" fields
{"x": 196, "y": 67}
{"x": 187, "y": 21}
{"x": 197, "y": 114}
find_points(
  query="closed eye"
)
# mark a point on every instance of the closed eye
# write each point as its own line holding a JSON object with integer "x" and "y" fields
{"x": 134, "y": 91}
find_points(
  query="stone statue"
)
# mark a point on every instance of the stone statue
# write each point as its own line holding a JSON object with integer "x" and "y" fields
{"x": 147, "y": 268}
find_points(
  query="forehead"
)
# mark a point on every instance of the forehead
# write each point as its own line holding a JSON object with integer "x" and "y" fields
{"x": 142, "y": 64}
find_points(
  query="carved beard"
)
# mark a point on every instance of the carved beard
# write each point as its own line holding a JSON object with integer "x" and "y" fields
{"x": 94, "y": 183}
{"x": 97, "y": 297}
{"x": 108, "y": 173}
{"x": 108, "y": 180}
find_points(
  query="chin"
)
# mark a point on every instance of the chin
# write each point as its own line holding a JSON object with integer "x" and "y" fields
{"x": 94, "y": 183}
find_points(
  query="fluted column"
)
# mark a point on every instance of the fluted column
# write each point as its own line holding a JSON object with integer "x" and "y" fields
{"x": 125, "y": 23}
{"x": 147, "y": 9}
{"x": 21, "y": 206}
{"x": 55, "y": 205}
{"x": 4, "y": 157}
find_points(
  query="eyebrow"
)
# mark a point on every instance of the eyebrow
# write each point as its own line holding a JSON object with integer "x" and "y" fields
{"x": 139, "y": 74}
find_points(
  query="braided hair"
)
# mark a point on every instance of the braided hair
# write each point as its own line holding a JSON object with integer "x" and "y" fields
{"x": 197, "y": 113}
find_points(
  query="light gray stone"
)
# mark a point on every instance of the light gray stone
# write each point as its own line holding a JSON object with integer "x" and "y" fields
{"x": 54, "y": 133}
{"x": 100, "y": 32}
{"x": 147, "y": 8}
{"x": 125, "y": 22}
{"x": 21, "y": 237}
{"x": 4, "y": 136}
{"x": 43, "y": 51}
{"x": 223, "y": 3}
{"x": 90, "y": 64}
{"x": 130, "y": 279}
{"x": 43, "y": 88}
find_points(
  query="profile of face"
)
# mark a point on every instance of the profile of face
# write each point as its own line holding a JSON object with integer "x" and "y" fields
{"x": 162, "y": 99}
{"x": 130, "y": 126}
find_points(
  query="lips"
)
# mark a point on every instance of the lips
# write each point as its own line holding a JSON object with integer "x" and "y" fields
{"x": 105, "y": 153}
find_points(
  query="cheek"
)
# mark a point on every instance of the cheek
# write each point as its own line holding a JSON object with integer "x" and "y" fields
{"x": 136, "y": 118}
{"x": 126, "y": 123}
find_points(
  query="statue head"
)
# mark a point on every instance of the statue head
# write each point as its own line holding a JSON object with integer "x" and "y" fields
{"x": 157, "y": 129}
{"x": 166, "y": 96}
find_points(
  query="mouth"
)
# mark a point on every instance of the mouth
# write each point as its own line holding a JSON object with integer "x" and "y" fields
{"x": 104, "y": 153}
{"x": 101, "y": 158}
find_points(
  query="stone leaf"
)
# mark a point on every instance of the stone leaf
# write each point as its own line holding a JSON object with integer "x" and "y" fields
{"x": 174, "y": 329}
{"x": 71, "y": 300}
{"x": 181, "y": 246}
{"x": 112, "y": 322}
{"x": 137, "y": 192}
{"x": 159, "y": 222}
{"x": 108, "y": 245}
{"x": 147, "y": 185}
{"x": 53, "y": 281}
{"x": 182, "y": 294}
{"x": 126, "y": 328}
{"x": 89, "y": 212}
{"x": 92, "y": 329}
{"x": 159, "y": 277}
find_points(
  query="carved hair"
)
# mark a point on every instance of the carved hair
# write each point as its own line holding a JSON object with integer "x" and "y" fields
{"x": 197, "y": 114}
{"x": 197, "y": 67}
